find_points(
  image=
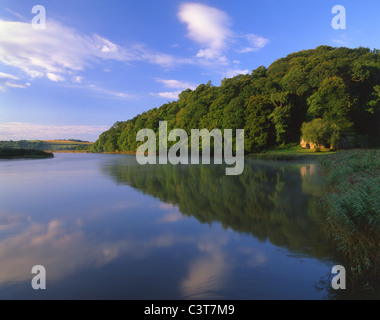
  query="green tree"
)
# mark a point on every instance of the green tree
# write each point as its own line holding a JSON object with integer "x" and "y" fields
{"x": 332, "y": 103}
{"x": 338, "y": 85}
{"x": 281, "y": 115}
{"x": 258, "y": 127}
{"x": 320, "y": 132}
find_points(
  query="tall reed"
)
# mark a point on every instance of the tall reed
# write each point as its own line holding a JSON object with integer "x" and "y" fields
{"x": 353, "y": 212}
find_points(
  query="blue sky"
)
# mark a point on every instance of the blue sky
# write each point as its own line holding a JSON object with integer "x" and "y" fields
{"x": 98, "y": 62}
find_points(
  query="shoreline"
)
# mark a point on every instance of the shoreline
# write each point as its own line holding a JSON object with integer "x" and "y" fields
{"x": 294, "y": 156}
{"x": 255, "y": 156}
{"x": 351, "y": 205}
{"x": 10, "y": 154}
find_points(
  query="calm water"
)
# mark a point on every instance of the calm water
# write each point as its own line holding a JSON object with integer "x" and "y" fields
{"x": 106, "y": 228}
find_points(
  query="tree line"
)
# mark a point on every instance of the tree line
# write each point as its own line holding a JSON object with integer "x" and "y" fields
{"x": 329, "y": 96}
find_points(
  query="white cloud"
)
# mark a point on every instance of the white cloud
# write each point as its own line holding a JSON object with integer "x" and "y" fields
{"x": 34, "y": 131}
{"x": 168, "y": 95}
{"x": 110, "y": 93}
{"x": 15, "y": 85}
{"x": 8, "y": 81}
{"x": 176, "y": 84}
{"x": 342, "y": 41}
{"x": 173, "y": 84}
{"x": 7, "y": 76}
{"x": 54, "y": 77}
{"x": 59, "y": 50}
{"x": 208, "y": 26}
{"x": 78, "y": 79}
{"x": 42, "y": 52}
{"x": 211, "y": 28}
{"x": 256, "y": 43}
{"x": 235, "y": 72}
{"x": 15, "y": 14}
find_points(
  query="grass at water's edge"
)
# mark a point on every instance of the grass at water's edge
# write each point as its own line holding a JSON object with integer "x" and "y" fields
{"x": 293, "y": 152}
{"x": 352, "y": 206}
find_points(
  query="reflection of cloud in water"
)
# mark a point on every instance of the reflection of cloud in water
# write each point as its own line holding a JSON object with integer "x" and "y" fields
{"x": 171, "y": 213}
{"x": 171, "y": 217}
{"x": 64, "y": 251}
{"x": 256, "y": 257}
{"x": 105, "y": 209}
{"x": 39, "y": 244}
{"x": 167, "y": 206}
{"x": 206, "y": 274}
{"x": 10, "y": 221}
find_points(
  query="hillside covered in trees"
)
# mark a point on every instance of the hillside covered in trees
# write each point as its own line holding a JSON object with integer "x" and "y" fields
{"x": 326, "y": 95}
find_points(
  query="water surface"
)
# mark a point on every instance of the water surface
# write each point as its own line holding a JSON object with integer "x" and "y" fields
{"x": 105, "y": 227}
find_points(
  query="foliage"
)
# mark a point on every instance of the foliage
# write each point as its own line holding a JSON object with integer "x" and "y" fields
{"x": 269, "y": 201}
{"x": 353, "y": 212}
{"x": 338, "y": 85}
{"x": 320, "y": 132}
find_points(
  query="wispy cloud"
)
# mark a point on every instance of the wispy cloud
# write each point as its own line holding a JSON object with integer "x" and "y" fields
{"x": 62, "y": 54}
{"x": 343, "y": 40}
{"x": 34, "y": 131}
{"x": 9, "y": 81}
{"x": 15, "y": 14}
{"x": 59, "y": 52}
{"x": 177, "y": 84}
{"x": 110, "y": 93}
{"x": 101, "y": 92}
{"x": 170, "y": 95}
{"x": 235, "y": 72}
{"x": 77, "y": 79}
{"x": 255, "y": 42}
{"x": 173, "y": 84}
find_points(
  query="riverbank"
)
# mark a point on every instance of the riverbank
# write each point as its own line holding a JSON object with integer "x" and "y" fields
{"x": 24, "y": 154}
{"x": 68, "y": 151}
{"x": 294, "y": 152}
{"x": 352, "y": 207}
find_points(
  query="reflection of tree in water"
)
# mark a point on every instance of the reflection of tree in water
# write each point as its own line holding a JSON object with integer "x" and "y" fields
{"x": 271, "y": 201}
{"x": 275, "y": 201}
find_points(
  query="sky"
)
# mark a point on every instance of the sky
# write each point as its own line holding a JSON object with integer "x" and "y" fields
{"x": 91, "y": 63}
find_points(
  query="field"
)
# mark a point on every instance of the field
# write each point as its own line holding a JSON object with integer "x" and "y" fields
{"x": 47, "y": 145}
{"x": 64, "y": 145}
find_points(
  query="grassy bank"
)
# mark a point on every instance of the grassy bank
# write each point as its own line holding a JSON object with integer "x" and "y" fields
{"x": 23, "y": 153}
{"x": 291, "y": 152}
{"x": 353, "y": 212}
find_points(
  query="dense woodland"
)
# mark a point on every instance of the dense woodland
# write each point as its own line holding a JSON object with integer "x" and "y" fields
{"x": 326, "y": 95}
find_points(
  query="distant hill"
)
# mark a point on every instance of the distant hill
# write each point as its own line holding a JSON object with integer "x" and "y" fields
{"x": 339, "y": 87}
{"x": 47, "y": 145}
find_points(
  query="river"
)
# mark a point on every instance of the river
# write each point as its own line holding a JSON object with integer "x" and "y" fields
{"x": 105, "y": 227}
